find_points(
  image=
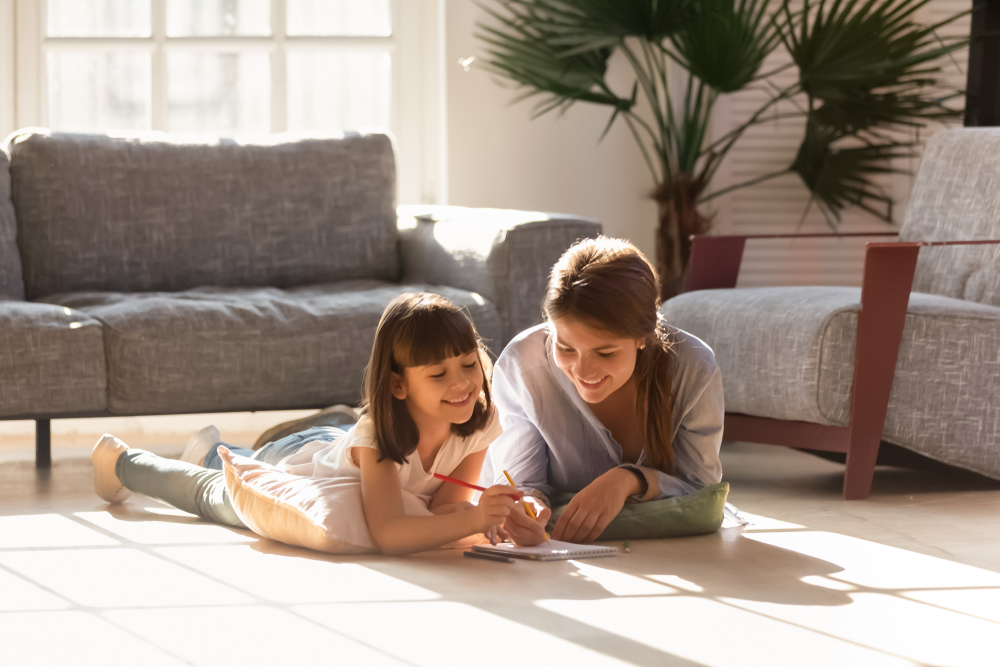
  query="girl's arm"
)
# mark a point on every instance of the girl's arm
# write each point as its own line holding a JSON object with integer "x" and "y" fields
{"x": 397, "y": 533}
{"x": 451, "y": 497}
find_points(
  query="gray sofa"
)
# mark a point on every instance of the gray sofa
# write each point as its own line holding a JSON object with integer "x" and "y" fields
{"x": 162, "y": 275}
{"x": 792, "y": 353}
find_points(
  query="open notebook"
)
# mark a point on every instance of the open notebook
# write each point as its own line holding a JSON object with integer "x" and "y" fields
{"x": 553, "y": 550}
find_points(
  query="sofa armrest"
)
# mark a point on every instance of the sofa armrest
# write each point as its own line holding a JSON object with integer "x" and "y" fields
{"x": 503, "y": 255}
{"x": 715, "y": 260}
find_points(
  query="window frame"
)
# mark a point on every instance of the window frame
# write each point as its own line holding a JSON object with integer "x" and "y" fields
{"x": 416, "y": 46}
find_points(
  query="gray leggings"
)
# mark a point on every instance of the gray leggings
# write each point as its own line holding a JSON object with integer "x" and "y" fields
{"x": 202, "y": 490}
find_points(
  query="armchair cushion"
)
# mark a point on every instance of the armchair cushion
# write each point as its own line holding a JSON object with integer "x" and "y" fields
{"x": 788, "y": 353}
{"x": 956, "y": 196}
{"x": 505, "y": 256}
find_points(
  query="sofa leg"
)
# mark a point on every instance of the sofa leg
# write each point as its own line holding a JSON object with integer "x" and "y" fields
{"x": 43, "y": 443}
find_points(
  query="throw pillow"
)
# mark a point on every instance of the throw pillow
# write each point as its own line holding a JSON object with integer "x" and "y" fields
{"x": 698, "y": 513}
{"x": 321, "y": 513}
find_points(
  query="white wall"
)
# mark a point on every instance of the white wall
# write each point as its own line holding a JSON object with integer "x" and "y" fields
{"x": 499, "y": 157}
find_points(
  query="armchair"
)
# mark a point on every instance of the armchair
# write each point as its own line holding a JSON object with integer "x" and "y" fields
{"x": 913, "y": 357}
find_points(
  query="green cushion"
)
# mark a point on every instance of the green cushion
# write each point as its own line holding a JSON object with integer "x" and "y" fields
{"x": 698, "y": 513}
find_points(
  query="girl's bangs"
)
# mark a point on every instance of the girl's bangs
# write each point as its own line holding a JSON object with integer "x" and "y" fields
{"x": 429, "y": 336}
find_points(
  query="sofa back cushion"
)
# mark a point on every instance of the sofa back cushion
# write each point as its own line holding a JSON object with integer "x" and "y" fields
{"x": 11, "y": 286}
{"x": 956, "y": 197}
{"x": 162, "y": 212}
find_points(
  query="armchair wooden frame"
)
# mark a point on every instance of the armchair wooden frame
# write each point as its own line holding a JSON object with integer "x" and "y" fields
{"x": 885, "y": 291}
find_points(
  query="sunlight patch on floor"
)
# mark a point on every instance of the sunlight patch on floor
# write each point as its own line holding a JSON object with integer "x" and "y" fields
{"x": 620, "y": 583}
{"x": 981, "y": 603}
{"x": 247, "y": 636}
{"x": 123, "y": 577}
{"x": 716, "y": 634}
{"x": 451, "y": 633}
{"x": 37, "y": 531}
{"x": 136, "y": 526}
{"x": 288, "y": 579}
{"x": 62, "y": 638}
{"x": 16, "y": 594}
{"x": 897, "y": 626}
{"x": 876, "y": 565}
{"x": 676, "y": 582}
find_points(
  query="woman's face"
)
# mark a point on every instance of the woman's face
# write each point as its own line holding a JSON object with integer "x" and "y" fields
{"x": 597, "y": 363}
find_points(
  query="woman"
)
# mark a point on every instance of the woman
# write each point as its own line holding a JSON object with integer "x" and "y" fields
{"x": 603, "y": 399}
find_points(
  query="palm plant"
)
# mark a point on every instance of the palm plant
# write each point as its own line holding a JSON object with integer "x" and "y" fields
{"x": 866, "y": 72}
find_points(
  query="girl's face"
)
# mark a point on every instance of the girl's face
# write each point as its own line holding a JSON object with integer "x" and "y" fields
{"x": 597, "y": 363}
{"x": 446, "y": 391}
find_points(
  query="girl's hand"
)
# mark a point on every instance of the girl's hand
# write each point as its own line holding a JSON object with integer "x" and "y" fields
{"x": 495, "y": 506}
{"x": 496, "y": 534}
{"x": 593, "y": 508}
{"x": 522, "y": 529}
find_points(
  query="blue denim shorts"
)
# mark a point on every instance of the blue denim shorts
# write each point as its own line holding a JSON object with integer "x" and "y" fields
{"x": 279, "y": 450}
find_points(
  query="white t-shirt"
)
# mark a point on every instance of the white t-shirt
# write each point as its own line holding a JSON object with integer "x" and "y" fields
{"x": 333, "y": 459}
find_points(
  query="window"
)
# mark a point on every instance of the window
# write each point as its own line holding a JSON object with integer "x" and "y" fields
{"x": 234, "y": 67}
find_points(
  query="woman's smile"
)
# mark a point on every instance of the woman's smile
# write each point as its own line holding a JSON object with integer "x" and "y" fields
{"x": 592, "y": 385}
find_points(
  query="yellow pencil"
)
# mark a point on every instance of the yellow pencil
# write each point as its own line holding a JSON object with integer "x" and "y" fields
{"x": 527, "y": 506}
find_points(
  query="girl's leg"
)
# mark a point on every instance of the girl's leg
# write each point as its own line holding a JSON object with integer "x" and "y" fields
{"x": 214, "y": 462}
{"x": 275, "y": 452}
{"x": 186, "y": 486}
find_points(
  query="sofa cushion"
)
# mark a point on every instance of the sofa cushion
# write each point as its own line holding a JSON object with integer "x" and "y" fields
{"x": 51, "y": 361}
{"x": 788, "y": 353}
{"x": 956, "y": 197}
{"x": 217, "y": 349}
{"x": 11, "y": 285}
{"x": 163, "y": 212}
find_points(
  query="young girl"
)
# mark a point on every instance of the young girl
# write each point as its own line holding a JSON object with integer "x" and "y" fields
{"x": 427, "y": 409}
{"x": 604, "y": 399}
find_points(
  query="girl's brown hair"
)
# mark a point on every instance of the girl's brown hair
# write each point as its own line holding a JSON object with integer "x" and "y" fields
{"x": 610, "y": 286}
{"x": 418, "y": 329}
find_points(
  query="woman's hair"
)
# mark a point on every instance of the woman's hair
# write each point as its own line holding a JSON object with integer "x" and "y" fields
{"x": 418, "y": 330}
{"x": 610, "y": 286}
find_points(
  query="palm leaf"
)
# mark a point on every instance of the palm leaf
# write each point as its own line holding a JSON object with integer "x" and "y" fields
{"x": 868, "y": 60}
{"x": 842, "y": 177}
{"x": 524, "y": 52}
{"x": 728, "y": 43}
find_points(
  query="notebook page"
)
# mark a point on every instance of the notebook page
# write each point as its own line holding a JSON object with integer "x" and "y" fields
{"x": 553, "y": 550}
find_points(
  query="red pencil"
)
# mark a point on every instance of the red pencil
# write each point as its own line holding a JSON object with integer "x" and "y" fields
{"x": 467, "y": 485}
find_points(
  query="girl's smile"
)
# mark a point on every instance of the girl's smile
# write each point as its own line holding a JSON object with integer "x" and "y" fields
{"x": 459, "y": 402}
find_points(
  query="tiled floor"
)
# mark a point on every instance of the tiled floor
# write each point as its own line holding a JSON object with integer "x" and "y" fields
{"x": 911, "y": 576}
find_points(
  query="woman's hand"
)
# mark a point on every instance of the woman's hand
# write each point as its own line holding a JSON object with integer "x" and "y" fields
{"x": 524, "y": 531}
{"x": 495, "y": 506}
{"x": 593, "y": 508}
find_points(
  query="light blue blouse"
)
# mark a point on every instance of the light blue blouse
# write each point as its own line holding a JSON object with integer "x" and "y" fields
{"x": 553, "y": 442}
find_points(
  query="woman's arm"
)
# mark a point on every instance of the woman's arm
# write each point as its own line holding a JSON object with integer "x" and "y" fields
{"x": 397, "y": 533}
{"x": 697, "y": 442}
{"x": 696, "y": 465}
